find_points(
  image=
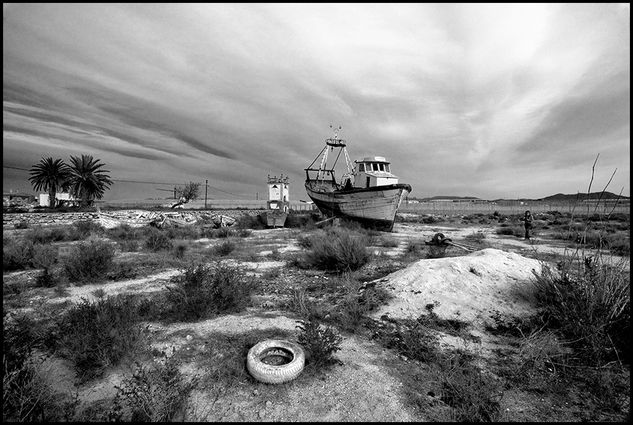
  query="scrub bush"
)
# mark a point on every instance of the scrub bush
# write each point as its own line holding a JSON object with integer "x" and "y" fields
{"x": 588, "y": 300}
{"x": 89, "y": 261}
{"x": 321, "y": 342}
{"x": 202, "y": 291}
{"x": 95, "y": 335}
{"x": 338, "y": 249}
{"x": 157, "y": 240}
{"x": 152, "y": 394}
{"x": 16, "y": 254}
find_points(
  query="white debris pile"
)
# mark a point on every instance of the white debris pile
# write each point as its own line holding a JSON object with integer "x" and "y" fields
{"x": 139, "y": 218}
{"x": 472, "y": 288}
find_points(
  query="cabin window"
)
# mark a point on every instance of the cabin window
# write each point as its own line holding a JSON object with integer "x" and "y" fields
{"x": 382, "y": 167}
{"x": 375, "y": 166}
{"x": 387, "y": 168}
{"x": 361, "y": 167}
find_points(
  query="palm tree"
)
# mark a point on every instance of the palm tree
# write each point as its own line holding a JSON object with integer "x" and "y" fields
{"x": 87, "y": 180}
{"x": 51, "y": 176}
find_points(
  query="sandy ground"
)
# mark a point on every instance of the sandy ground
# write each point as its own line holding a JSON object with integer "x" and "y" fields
{"x": 471, "y": 288}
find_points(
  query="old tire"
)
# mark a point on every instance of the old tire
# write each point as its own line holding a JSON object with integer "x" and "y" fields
{"x": 270, "y": 373}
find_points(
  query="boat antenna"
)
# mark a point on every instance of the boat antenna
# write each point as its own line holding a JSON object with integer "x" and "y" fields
{"x": 336, "y": 130}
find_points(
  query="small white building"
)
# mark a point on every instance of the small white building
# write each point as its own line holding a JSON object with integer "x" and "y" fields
{"x": 59, "y": 196}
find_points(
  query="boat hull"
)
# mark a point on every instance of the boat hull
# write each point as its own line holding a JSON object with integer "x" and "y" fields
{"x": 373, "y": 207}
{"x": 276, "y": 218}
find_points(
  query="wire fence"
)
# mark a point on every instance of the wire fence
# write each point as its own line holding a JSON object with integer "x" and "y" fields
{"x": 515, "y": 207}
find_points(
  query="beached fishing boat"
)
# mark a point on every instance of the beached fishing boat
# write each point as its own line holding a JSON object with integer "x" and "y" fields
{"x": 367, "y": 193}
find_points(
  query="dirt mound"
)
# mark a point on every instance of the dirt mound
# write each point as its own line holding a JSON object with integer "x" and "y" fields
{"x": 472, "y": 288}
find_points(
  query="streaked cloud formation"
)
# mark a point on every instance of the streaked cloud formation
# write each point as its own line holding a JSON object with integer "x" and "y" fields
{"x": 492, "y": 101}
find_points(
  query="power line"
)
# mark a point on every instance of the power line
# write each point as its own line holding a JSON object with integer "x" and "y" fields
{"x": 15, "y": 168}
{"x": 147, "y": 182}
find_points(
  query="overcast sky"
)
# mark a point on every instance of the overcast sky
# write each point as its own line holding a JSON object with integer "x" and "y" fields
{"x": 493, "y": 101}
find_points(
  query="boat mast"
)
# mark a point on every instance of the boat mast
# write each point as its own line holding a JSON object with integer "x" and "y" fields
{"x": 336, "y": 142}
{"x": 331, "y": 143}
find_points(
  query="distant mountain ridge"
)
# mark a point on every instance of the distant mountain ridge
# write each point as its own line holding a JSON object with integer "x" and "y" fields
{"x": 583, "y": 196}
{"x": 555, "y": 198}
{"x": 435, "y": 198}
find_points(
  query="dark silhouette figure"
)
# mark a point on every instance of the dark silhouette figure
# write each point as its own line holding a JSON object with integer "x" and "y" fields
{"x": 527, "y": 223}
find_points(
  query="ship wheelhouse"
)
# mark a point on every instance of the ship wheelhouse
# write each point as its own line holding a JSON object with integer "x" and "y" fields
{"x": 373, "y": 171}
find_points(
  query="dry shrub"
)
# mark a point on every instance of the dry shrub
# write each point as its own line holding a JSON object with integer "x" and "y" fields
{"x": 95, "y": 335}
{"x": 84, "y": 228}
{"x": 321, "y": 342}
{"x": 16, "y": 254}
{"x": 225, "y": 248}
{"x": 338, "y": 249}
{"x": 157, "y": 240}
{"x": 203, "y": 290}
{"x": 152, "y": 394}
{"x": 89, "y": 261}
{"x": 588, "y": 300}
{"x": 477, "y": 237}
{"x": 26, "y": 396}
{"x": 473, "y": 395}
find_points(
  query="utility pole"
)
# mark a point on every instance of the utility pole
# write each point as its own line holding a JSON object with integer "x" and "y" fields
{"x": 206, "y": 185}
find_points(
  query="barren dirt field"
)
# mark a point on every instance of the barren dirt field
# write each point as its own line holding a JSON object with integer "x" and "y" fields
{"x": 428, "y": 333}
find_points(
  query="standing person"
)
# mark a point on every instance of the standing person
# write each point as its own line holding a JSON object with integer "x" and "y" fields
{"x": 527, "y": 223}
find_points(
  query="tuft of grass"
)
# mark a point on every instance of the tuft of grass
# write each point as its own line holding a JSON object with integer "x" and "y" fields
{"x": 26, "y": 396}
{"x": 202, "y": 291}
{"x": 511, "y": 231}
{"x": 152, "y": 394}
{"x": 180, "y": 250}
{"x": 157, "y": 240}
{"x": 252, "y": 222}
{"x": 22, "y": 224}
{"x": 184, "y": 232}
{"x": 588, "y": 300}
{"x": 85, "y": 228}
{"x": 123, "y": 232}
{"x": 357, "y": 302}
{"x": 321, "y": 342}
{"x": 476, "y": 237}
{"x": 44, "y": 256}
{"x": 220, "y": 232}
{"x": 388, "y": 242}
{"x": 338, "y": 249}
{"x": 89, "y": 261}
{"x": 436, "y": 251}
{"x": 225, "y": 248}
{"x": 128, "y": 245}
{"x": 16, "y": 254}
{"x": 473, "y": 395}
{"x": 304, "y": 221}
{"x": 95, "y": 335}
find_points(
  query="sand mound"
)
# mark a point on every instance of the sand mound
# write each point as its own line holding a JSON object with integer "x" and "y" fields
{"x": 472, "y": 288}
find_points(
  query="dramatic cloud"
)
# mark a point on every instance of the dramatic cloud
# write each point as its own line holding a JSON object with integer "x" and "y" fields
{"x": 487, "y": 100}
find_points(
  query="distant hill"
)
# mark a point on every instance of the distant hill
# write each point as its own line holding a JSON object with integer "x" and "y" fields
{"x": 559, "y": 197}
{"x": 435, "y": 198}
{"x": 583, "y": 196}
